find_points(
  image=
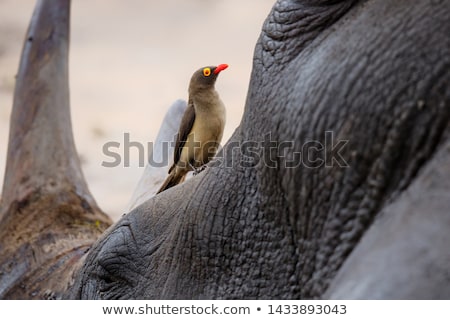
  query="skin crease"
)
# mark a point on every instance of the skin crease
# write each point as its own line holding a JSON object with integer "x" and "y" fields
{"x": 375, "y": 74}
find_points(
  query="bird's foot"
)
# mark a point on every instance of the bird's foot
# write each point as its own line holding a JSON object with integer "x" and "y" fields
{"x": 199, "y": 169}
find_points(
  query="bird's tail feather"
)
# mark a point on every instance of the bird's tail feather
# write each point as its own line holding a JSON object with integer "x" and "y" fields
{"x": 173, "y": 179}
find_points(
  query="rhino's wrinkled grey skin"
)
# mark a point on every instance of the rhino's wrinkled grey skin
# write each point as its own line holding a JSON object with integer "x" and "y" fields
{"x": 358, "y": 90}
{"x": 372, "y": 223}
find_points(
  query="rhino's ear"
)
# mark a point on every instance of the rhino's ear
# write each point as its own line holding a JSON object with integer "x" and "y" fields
{"x": 45, "y": 199}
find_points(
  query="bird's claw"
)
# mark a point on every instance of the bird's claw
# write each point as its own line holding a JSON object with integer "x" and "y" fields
{"x": 199, "y": 169}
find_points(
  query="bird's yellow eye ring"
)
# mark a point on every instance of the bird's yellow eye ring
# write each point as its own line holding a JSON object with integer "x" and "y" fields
{"x": 207, "y": 72}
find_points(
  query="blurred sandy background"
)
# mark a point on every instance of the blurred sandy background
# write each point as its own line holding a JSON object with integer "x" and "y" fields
{"x": 129, "y": 60}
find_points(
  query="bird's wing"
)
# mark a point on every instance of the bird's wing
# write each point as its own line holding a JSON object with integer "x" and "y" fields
{"x": 185, "y": 128}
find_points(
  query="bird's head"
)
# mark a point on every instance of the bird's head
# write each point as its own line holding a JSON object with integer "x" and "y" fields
{"x": 206, "y": 77}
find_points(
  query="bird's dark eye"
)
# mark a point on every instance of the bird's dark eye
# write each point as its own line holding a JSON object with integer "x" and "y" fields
{"x": 207, "y": 72}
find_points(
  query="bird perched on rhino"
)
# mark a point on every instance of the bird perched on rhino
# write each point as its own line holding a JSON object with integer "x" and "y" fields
{"x": 201, "y": 127}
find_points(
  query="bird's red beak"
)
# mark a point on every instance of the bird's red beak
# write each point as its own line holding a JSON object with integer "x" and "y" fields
{"x": 220, "y": 68}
